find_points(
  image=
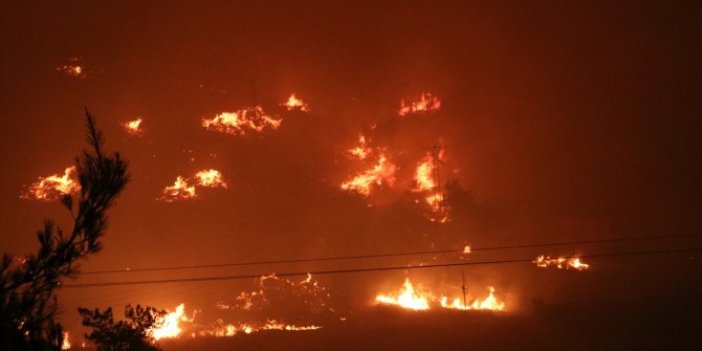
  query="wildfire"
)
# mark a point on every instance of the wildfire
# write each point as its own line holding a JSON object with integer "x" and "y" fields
{"x": 407, "y": 297}
{"x": 168, "y": 325}
{"x": 241, "y": 121}
{"x": 210, "y": 178}
{"x": 466, "y": 249}
{"x": 561, "y": 262}
{"x": 66, "y": 344}
{"x": 427, "y": 103}
{"x": 184, "y": 189}
{"x": 54, "y": 186}
{"x": 411, "y": 298}
{"x": 383, "y": 172}
{"x": 294, "y": 103}
{"x": 426, "y": 181}
{"x": 133, "y": 127}
{"x": 488, "y": 303}
{"x": 180, "y": 190}
{"x": 362, "y": 150}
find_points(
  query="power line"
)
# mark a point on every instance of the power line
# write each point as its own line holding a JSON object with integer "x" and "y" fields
{"x": 388, "y": 255}
{"x": 371, "y": 269}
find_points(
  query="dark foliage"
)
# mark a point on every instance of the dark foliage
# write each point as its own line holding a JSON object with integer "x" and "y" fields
{"x": 28, "y": 305}
{"x": 125, "y": 335}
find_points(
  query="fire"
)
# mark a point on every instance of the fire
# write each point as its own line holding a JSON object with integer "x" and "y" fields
{"x": 426, "y": 181}
{"x": 361, "y": 151}
{"x": 294, "y": 103}
{"x": 133, "y": 127}
{"x": 66, "y": 344}
{"x": 241, "y": 121}
{"x": 180, "y": 190}
{"x": 427, "y": 103}
{"x": 168, "y": 325}
{"x": 54, "y": 186}
{"x": 561, "y": 262}
{"x": 488, "y": 303}
{"x": 228, "y": 330}
{"x": 410, "y": 298}
{"x": 210, "y": 178}
{"x": 466, "y": 249}
{"x": 184, "y": 189}
{"x": 407, "y": 297}
{"x": 382, "y": 173}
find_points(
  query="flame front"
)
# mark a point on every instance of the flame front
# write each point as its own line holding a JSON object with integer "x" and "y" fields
{"x": 66, "y": 344}
{"x": 427, "y": 103}
{"x": 54, "y": 186}
{"x": 168, "y": 325}
{"x": 407, "y": 297}
{"x": 210, "y": 178}
{"x": 133, "y": 127}
{"x": 241, "y": 121}
{"x": 294, "y": 103}
{"x": 561, "y": 262}
{"x": 180, "y": 190}
{"x": 382, "y": 173}
{"x": 489, "y": 303}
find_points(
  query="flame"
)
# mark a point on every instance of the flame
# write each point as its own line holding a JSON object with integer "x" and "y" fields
{"x": 489, "y": 303}
{"x": 561, "y": 262}
{"x": 229, "y": 330}
{"x": 361, "y": 151}
{"x": 241, "y": 121}
{"x": 466, "y": 249}
{"x": 180, "y": 190}
{"x": 425, "y": 181}
{"x": 294, "y": 103}
{"x": 426, "y": 103}
{"x": 407, "y": 297}
{"x": 133, "y": 127}
{"x": 168, "y": 326}
{"x": 72, "y": 70}
{"x": 210, "y": 178}
{"x": 383, "y": 172}
{"x": 54, "y": 186}
{"x": 66, "y": 344}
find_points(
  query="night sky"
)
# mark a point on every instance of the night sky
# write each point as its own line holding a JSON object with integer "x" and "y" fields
{"x": 559, "y": 121}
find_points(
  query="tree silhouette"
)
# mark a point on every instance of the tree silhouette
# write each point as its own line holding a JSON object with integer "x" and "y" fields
{"x": 27, "y": 302}
{"x": 126, "y": 335}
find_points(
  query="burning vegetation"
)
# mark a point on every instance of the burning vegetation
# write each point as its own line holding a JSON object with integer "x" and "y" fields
{"x": 240, "y": 122}
{"x": 416, "y": 299}
{"x": 133, "y": 127}
{"x": 185, "y": 189}
{"x": 295, "y": 104}
{"x": 54, "y": 186}
{"x": 427, "y": 102}
{"x": 561, "y": 262}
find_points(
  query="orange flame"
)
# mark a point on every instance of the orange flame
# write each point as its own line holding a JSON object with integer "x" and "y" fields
{"x": 168, "y": 325}
{"x": 66, "y": 344}
{"x": 133, "y": 127}
{"x": 561, "y": 262}
{"x": 425, "y": 181}
{"x": 241, "y": 121}
{"x": 383, "y": 172}
{"x": 180, "y": 190}
{"x": 210, "y": 178}
{"x": 407, "y": 297}
{"x": 54, "y": 186}
{"x": 426, "y": 103}
{"x": 361, "y": 151}
{"x": 489, "y": 303}
{"x": 294, "y": 103}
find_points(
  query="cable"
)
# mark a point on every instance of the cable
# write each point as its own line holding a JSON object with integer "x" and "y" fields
{"x": 370, "y": 269}
{"x": 398, "y": 254}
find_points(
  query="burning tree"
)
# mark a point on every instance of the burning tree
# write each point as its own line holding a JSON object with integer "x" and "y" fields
{"x": 27, "y": 302}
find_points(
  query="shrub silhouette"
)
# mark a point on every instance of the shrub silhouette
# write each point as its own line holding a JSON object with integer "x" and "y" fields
{"x": 131, "y": 334}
